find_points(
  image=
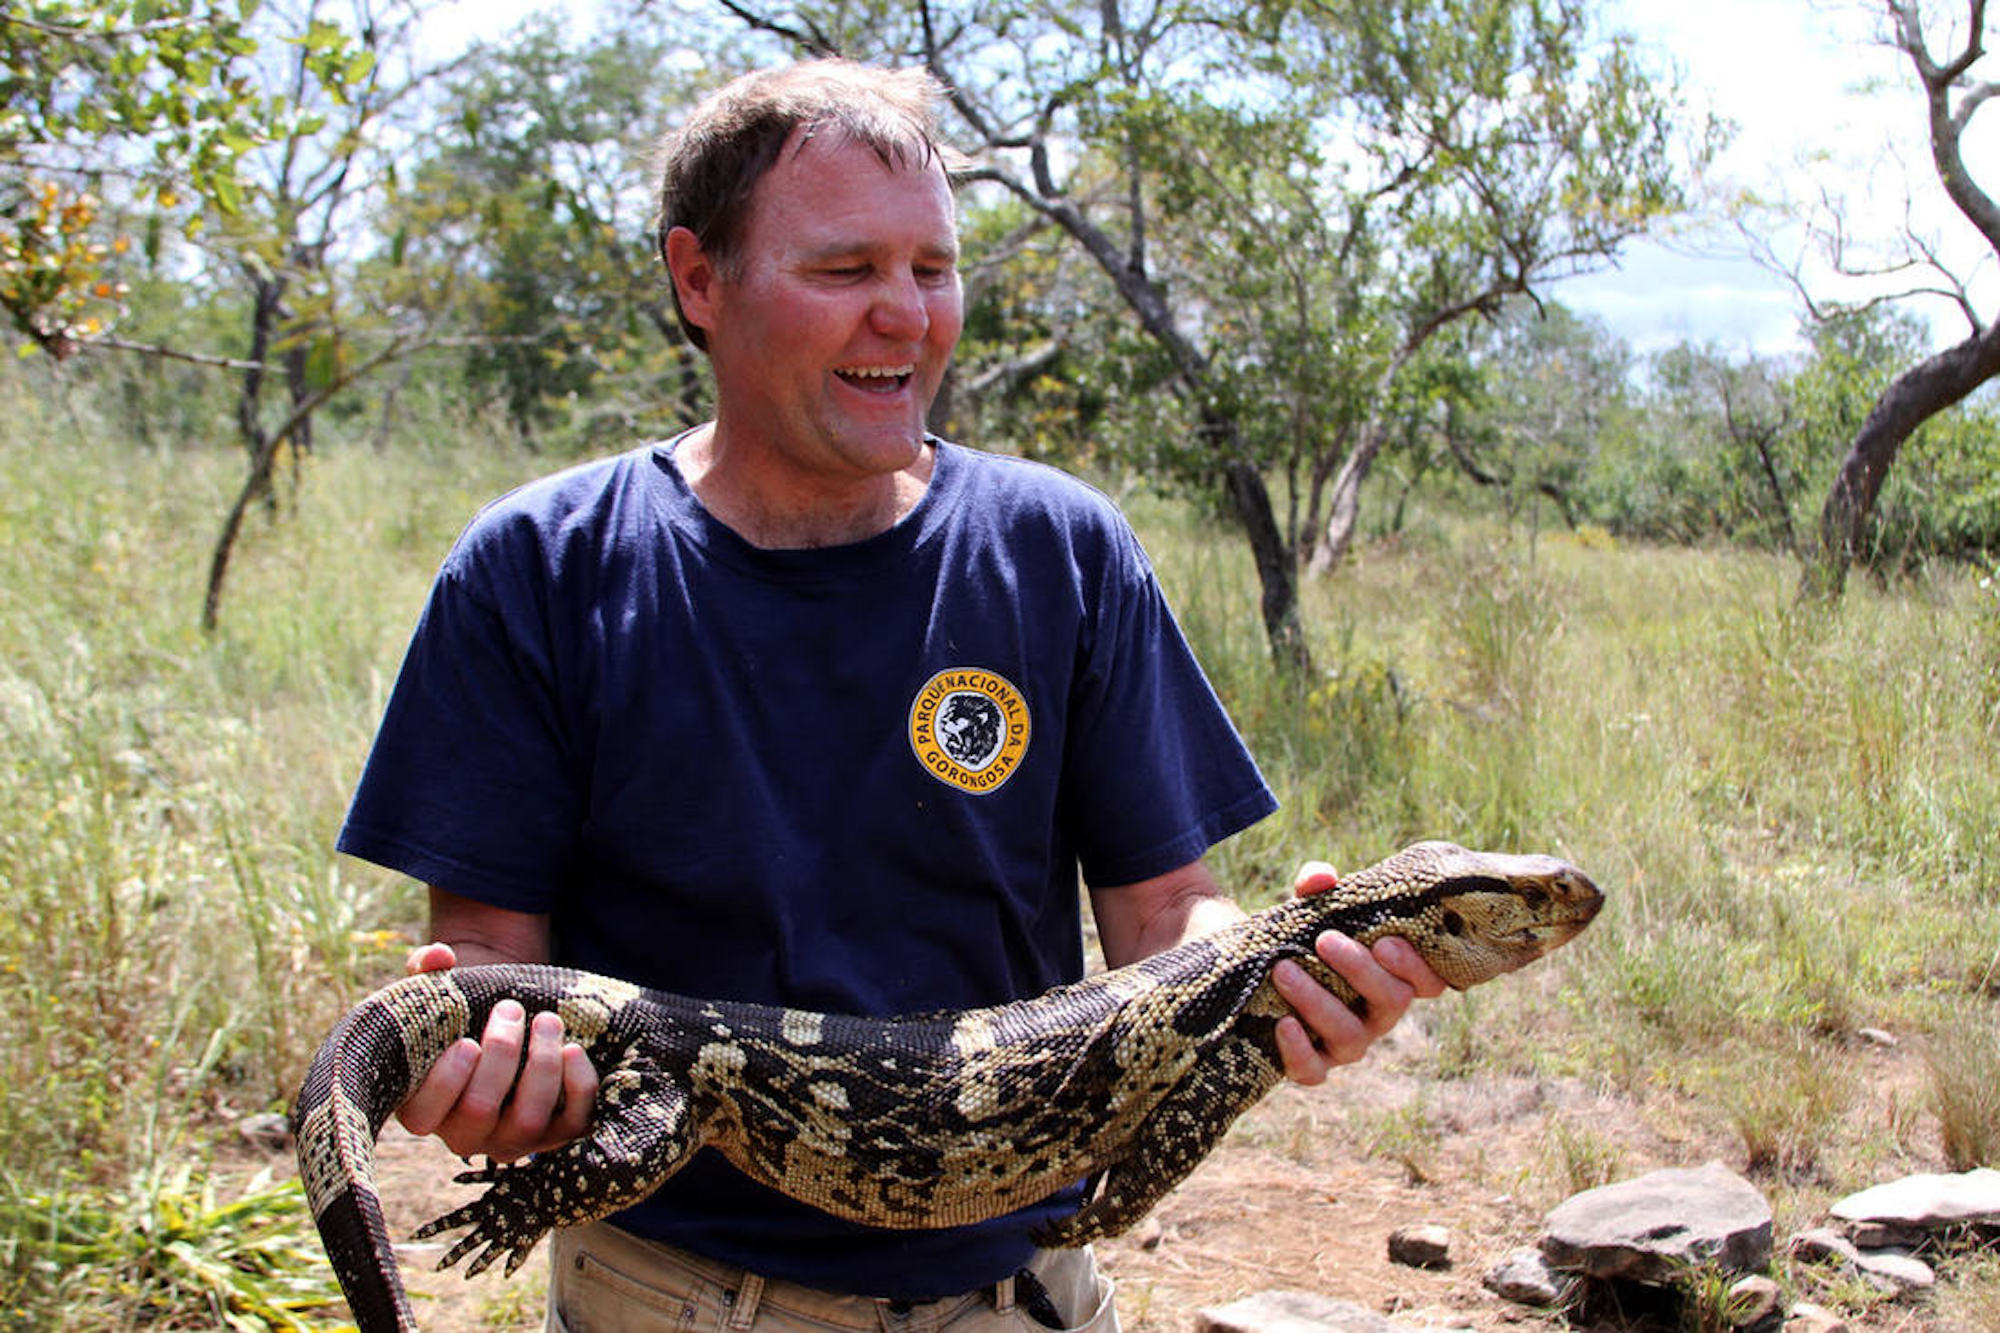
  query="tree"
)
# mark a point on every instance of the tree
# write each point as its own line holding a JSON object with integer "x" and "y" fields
{"x": 1953, "y": 94}
{"x": 299, "y": 199}
{"x": 1943, "y": 496}
{"x": 1521, "y": 154}
{"x": 1541, "y": 383}
{"x": 1727, "y": 446}
{"x": 532, "y": 207}
{"x": 1376, "y": 170}
{"x": 184, "y": 112}
{"x": 150, "y": 100}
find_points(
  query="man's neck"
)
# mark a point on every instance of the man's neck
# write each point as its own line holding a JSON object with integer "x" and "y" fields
{"x": 778, "y": 512}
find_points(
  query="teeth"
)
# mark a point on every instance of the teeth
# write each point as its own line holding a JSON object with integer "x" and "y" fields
{"x": 878, "y": 372}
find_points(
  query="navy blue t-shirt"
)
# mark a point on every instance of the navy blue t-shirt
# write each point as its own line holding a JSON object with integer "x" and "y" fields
{"x": 858, "y": 779}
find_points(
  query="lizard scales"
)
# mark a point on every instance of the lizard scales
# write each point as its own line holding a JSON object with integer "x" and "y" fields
{"x": 1129, "y": 1077}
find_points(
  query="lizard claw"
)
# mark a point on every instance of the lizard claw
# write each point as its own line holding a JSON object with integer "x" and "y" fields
{"x": 494, "y": 1222}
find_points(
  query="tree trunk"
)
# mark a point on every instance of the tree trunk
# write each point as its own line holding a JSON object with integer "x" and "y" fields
{"x": 267, "y": 296}
{"x": 1917, "y": 395}
{"x": 1277, "y": 570}
{"x": 1344, "y": 504}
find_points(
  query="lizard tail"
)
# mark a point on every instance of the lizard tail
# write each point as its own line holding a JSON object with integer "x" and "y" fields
{"x": 361, "y": 1073}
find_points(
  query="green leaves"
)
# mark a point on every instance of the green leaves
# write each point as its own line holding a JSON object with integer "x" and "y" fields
{"x": 336, "y": 60}
{"x": 166, "y": 1251}
{"x": 104, "y": 87}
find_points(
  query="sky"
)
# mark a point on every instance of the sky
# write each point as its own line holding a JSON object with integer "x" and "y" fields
{"x": 1819, "y": 102}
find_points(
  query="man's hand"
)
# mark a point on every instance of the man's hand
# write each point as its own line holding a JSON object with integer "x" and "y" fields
{"x": 483, "y": 1098}
{"x": 1326, "y": 1032}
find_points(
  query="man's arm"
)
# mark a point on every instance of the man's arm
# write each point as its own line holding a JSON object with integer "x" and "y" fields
{"x": 1135, "y": 921}
{"x": 472, "y": 1098}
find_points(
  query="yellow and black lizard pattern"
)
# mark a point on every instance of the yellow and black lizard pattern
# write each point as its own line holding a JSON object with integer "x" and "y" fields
{"x": 1128, "y": 1078}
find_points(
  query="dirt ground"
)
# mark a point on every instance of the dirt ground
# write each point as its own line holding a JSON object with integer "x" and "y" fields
{"x": 1302, "y": 1195}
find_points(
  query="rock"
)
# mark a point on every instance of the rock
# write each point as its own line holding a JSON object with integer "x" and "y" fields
{"x": 1888, "y": 1270}
{"x": 269, "y": 1131}
{"x": 1895, "y": 1272}
{"x": 1825, "y": 1243}
{"x": 1650, "y": 1228}
{"x": 1525, "y": 1278}
{"x": 1753, "y": 1300}
{"x": 1420, "y": 1246}
{"x": 1877, "y": 1037}
{"x": 1296, "y": 1312}
{"x": 1809, "y": 1318}
{"x": 1290, "y": 1312}
{"x": 1903, "y": 1212}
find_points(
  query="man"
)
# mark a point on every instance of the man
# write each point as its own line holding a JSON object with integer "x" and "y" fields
{"x": 806, "y": 707}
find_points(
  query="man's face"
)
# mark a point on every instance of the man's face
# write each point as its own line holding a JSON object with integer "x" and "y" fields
{"x": 832, "y": 331}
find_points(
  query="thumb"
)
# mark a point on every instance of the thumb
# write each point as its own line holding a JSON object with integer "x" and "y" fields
{"x": 1314, "y": 877}
{"x": 432, "y": 957}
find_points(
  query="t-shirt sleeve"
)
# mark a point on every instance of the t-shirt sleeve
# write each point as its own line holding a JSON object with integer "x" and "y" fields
{"x": 1156, "y": 773}
{"x": 470, "y": 784}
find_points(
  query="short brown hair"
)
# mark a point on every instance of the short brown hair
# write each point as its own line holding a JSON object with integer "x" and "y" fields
{"x": 710, "y": 167}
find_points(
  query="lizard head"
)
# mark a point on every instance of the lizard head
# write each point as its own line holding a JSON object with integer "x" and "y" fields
{"x": 1475, "y": 915}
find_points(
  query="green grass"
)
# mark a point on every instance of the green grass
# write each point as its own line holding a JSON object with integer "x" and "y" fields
{"x": 1792, "y": 813}
{"x": 177, "y": 932}
{"x": 164, "y": 1252}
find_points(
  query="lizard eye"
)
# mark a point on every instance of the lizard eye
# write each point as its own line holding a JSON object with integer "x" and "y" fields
{"x": 1454, "y": 924}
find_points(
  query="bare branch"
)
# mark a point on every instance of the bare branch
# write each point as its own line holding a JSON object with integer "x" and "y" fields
{"x": 1006, "y": 374}
{"x": 809, "y": 38}
{"x": 77, "y": 32}
{"x": 1975, "y": 97}
{"x": 1946, "y": 127}
{"x": 259, "y": 477}
{"x": 111, "y": 344}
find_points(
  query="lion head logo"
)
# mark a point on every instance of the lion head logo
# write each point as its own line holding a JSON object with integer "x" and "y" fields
{"x": 969, "y": 727}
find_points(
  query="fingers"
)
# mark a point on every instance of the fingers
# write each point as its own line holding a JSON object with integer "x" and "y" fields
{"x": 1325, "y": 1031}
{"x": 1314, "y": 877}
{"x": 1305, "y": 1063}
{"x": 579, "y": 1095}
{"x": 1322, "y": 1033}
{"x": 433, "y": 957}
{"x": 427, "y": 1107}
{"x": 520, "y": 1089}
{"x": 1401, "y": 959}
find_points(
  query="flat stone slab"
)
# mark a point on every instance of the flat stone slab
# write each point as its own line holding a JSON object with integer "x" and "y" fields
{"x": 1296, "y": 1312}
{"x": 1291, "y": 1312}
{"x": 1649, "y": 1228}
{"x": 1906, "y": 1209}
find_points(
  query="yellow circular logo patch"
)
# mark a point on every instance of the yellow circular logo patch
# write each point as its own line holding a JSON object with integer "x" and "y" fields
{"x": 969, "y": 727}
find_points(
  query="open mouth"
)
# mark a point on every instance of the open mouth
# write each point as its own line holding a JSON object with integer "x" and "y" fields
{"x": 877, "y": 379}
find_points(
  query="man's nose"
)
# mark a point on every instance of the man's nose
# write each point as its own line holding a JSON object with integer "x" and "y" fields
{"x": 900, "y": 310}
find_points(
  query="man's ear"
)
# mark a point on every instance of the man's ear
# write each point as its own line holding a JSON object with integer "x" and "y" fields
{"x": 694, "y": 276}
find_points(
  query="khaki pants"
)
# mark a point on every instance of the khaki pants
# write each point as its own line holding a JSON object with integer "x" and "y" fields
{"x": 604, "y": 1280}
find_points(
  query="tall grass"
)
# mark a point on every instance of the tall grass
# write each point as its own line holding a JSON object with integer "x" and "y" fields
{"x": 177, "y": 932}
{"x": 1792, "y": 812}
{"x": 1791, "y": 809}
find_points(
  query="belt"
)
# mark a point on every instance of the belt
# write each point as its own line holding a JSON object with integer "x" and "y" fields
{"x": 1022, "y": 1289}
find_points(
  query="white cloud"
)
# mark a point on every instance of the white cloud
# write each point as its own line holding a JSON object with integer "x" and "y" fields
{"x": 1823, "y": 107}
